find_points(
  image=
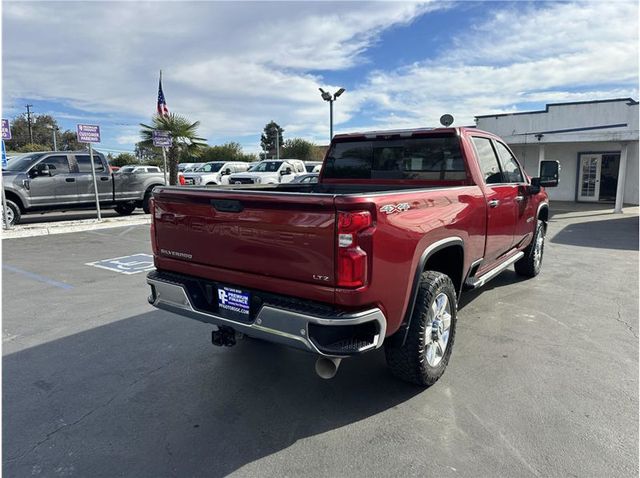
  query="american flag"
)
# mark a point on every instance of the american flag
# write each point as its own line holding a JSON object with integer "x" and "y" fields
{"x": 163, "y": 110}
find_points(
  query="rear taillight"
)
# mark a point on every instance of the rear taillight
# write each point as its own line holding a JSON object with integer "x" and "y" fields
{"x": 152, "y": 229}
{"x": 351, "y": 264}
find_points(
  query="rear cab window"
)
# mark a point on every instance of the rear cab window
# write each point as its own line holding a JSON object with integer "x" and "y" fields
{"x": 431, "y": 158}
{"x": 84, "y": 163}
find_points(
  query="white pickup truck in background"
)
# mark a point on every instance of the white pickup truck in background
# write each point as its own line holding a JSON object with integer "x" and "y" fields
{"x": 271, "y": 171}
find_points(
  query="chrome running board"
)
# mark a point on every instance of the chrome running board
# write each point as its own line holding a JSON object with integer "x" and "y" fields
{"x": 487, "y": 276}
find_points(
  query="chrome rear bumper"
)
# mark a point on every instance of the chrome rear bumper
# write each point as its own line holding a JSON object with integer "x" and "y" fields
{"x": 284, "y": 326}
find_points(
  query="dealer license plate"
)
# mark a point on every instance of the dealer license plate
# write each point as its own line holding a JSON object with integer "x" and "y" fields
{"x": 234, "y": 303}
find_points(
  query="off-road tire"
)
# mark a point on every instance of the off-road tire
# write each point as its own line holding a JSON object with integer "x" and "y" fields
{"x": 124, "y": 209}
{"x": 529, "y": 266}
{"x": 408, "y": 361}
{"x": 14, "y": 213}
{"x": 145, "y": 202}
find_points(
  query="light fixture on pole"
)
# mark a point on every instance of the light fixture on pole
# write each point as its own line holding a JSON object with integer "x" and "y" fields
{"x": 331, "y": 98}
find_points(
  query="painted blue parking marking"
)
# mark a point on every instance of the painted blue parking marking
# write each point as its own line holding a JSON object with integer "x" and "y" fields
{"x": 37, "y": 277}
{"x": 133, "y": 264}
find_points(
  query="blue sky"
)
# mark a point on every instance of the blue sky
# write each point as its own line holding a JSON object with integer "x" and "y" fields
{"x": 236, "y": 66}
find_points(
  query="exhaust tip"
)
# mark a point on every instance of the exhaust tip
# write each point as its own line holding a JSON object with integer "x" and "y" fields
{"x": 327, "y": 367}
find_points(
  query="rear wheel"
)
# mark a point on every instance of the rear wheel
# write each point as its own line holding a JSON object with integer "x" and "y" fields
{"x": 13, "y": 213}
{"x": 145, "y": 202}
{"x": 531, "y": 263}
{"x": 124, "y": 209}
{"x": 425, "y": 353}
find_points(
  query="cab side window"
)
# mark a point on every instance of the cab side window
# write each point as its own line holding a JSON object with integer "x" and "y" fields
{"x": 487, "y": 160}
{"x": 84, "y": 164}
{"x": 57, "y": 164}
{"x": 510, "y": 168}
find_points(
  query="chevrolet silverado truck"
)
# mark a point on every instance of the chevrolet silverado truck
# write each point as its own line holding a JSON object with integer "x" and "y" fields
{"x": 375, "y": 254}
{"x": 62, "y": 180}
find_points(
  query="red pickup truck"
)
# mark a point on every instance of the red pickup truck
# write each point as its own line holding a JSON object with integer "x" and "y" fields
{"x": 377, "y": 252}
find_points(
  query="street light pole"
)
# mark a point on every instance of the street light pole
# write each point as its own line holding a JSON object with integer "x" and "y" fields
{"x": 331, "y": 119}
{"x": 54, "y": 129}
{"x": 331, "y": 98}
{"x": 277, "y": 142}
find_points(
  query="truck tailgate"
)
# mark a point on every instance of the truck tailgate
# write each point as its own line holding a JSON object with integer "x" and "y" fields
{"x": 288, "y": 236}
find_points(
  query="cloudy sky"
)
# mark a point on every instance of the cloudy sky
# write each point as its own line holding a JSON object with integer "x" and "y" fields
{"x": 236, "y": 66}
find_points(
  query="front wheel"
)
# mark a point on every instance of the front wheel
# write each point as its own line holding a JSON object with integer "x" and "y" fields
{"x": 531, "y": 263}
{"x": 425, "y": 353}
{"x": 13, "y": 213}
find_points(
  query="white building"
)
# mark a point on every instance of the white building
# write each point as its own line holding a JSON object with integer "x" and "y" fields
{"x": 596, "y": 143}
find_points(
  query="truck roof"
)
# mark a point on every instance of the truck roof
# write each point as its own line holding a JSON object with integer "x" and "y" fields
{"x": 406, "y": 132}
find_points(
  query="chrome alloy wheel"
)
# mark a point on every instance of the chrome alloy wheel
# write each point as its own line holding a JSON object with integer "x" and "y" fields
{"x": 10, "y": 216}
{"x": 538, "y": 249}
{"x": 437, "y": 331}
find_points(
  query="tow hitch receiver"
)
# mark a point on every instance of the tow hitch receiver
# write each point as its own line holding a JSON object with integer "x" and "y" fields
{"x": 223, "y": 337}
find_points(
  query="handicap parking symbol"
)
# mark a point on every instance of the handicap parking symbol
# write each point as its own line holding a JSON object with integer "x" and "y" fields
{"x": 133, "y": 264}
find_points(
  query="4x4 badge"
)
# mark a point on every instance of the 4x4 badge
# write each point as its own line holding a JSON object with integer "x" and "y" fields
{"x": 391, "y": 208}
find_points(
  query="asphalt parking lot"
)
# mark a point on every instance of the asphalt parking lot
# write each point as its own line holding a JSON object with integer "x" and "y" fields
{"x": 543, "y": 380}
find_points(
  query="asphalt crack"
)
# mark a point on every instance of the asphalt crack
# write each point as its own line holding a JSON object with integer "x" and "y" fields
{"x": 625, "y": 323}
{"x": 49, "y": 435}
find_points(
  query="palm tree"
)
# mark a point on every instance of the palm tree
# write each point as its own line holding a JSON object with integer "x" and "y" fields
{"x": 184, "y": 136}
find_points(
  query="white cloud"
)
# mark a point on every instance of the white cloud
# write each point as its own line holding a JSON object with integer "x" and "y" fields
{"x": 539, "y": 54}
{"x": 235, "y": 66}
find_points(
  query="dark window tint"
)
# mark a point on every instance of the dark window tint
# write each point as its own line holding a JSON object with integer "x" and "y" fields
{"x": 510, "y": 168}
{"x": 487, "y": 160}
{"x": 84, "y": 164}
{"x": 57, "y": 164}
{"x": 436, "y": 158}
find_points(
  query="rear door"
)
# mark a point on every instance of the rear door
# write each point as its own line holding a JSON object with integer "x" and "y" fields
{"x": 501, "y": 201}
{"x": 84, "y": 179}
{"x": 277, "y": 235}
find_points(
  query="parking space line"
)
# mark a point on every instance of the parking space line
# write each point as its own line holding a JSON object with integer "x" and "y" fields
{"x": 38, "y": 277}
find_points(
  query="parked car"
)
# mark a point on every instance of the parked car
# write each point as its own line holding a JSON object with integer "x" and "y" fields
{"x": 376, "y": 253}
{"x": 310, "y": 178}
{"x": 55, "y": 180}
{"x": 313, "y": 166}
{"x": 215, "y": 172}
{"x": 270, "y": 171}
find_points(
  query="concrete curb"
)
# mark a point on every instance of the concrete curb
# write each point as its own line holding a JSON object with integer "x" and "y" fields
{"x": 65, "y": 227}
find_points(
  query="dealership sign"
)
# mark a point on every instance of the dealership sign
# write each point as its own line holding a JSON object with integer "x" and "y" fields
{"x": 161, "y": 138}
{"x": 88, "y": 133}
{"x": 6, "y": 131}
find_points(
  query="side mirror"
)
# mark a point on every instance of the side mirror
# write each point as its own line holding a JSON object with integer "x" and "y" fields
{"x": 285, "y": 171}
{"x": 41, "y": 169}
{"x": 549, "y": 176}
{"x": 226, "y": 172}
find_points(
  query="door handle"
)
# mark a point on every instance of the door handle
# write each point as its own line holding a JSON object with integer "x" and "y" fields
{"x": 494, "y": 203}
{"x": 103, "y": 178}
{"x": 519, "y": 198}
{"x": 70, "y": 180}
